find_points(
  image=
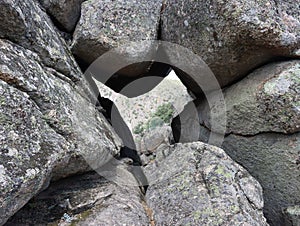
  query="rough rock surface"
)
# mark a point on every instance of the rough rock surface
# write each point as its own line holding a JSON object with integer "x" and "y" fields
{"x": 88, "y": 199}
{"x": 233, "y": 37}
{"x": 273, "y": 159}
{"x": 263, "y": 124}
{"x": 30, "y": 149}
{"x": 267, "y": 100}
{"x": 26, "y": 24}
{"x": 153, "y": 143}
{"x": 66, "y": 12}
{"x": 154, "y": 138}
{"x": 198, "y": 184}
{"x": 104, "y": 25}
{"x": 49, "y": 127}
{"x": 38, "y": 135}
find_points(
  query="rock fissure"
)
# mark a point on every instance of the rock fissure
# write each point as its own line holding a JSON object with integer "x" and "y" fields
{"x": 260, "y": 133}
{"x": 248, "y": 135}
{"x": 159, "y": 27}
{"x": 62, "y": 75}
{"x": 277, "y": 59}
{"x": 149, "y": 213}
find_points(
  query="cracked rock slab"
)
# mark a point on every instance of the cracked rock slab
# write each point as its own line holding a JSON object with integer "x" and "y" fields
{"x": 87, "y": 199}
{"x": 233, "y": 37}
{"x": 267, "y": 100}
{"x": 48, "y": 128}
{"x": 198, "y": 184}
{"x": 274, "y": 160}
{"x": 105, "y": 25}
{"x": 66, "y": 12}
{"x": 26, "y": 24}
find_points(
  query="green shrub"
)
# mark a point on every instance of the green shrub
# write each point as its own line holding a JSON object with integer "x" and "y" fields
{"x": 139, "y": 129}
{"x": 165, "y": 112}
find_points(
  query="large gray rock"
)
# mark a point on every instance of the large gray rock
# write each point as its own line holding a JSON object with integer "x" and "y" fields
{"x": 273, "y": 159}
{"x": 24, "y": 23}
{"x": 267, "y": 100}
{"x": 233, "y": 37}
{"x": 88, "y": 199}
{"x": 48, "y": 128}
{"x": 152, "y": 139}
{"x": 30, "y": 150}
{"x": 263, "y": 124}
{"x": 66, "y": 12}
{"x": 104, "y": 25}
{"x": 153, "y": 143}
{"x": 198, "y": 184}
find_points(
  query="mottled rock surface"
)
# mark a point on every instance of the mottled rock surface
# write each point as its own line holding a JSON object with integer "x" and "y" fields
{"x": 48, "y": 128}
{"x": 273, "y": 159}
{"x": 66, "y": 12}
{"x": 154, "y": 138}
{"x": 153, "y": 143}
{"x": 88, "y": 199}
{"x": 233, "y": 37}
{"x": 263, "y": 124}
{"x": 26, "y": 24}
{"x": 198, "y": 184}
{"x": 109, "y": 24}
{"x": 30, "y": 150}
{"x": 267, "y": 100}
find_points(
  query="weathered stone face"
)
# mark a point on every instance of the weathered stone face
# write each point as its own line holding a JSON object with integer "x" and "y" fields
{"x": 263, "y": 124}
{"x": 199, "y": 184}
{"x": 154, "y": 138}
{"x": 273, "y": 159}
{"x": 233, "y": 37}
{"x": 87, "y": 200}
{"x": 50, "y": 128}
{"x": 267, "y": 100}
{"x": 38, "y": 139}
{"x": 24, "y": 23}
{"x": 30, "y": 149}
{"x": 105, "y": 25}
{"x": 66, "y": 12}
{"x": 108, "y": 24}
